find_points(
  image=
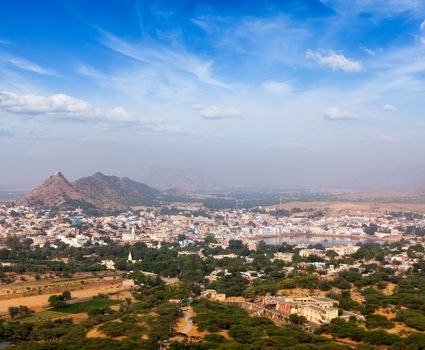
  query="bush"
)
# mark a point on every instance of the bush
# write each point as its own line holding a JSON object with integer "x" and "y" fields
{"x": 378, "y": 321}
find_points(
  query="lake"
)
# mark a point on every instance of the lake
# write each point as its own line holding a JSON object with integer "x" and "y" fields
{"x": 325, "y": 241}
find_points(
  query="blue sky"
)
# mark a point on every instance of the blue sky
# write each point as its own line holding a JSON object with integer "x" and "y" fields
{"x": 275, "y": 93}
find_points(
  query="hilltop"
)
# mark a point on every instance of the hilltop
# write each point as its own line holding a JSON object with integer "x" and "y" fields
{"x": 98, "y": 191}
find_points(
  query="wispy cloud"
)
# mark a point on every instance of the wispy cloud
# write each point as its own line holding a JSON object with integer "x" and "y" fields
{"x": 213, "y": 112}
{"x": 271, "y": 39}
{"x": 161, "y": 127}
{"x": 370, "y": 51}
{"x": 336, "y": 113}
{"x": 389, "y": 108}
{"x": 155, "y": 54}
{"x": 26, "y": 65}
{"x": 377, "y": 8}
{"x": 335, "y": 61}
{"x": 277, "y": 87}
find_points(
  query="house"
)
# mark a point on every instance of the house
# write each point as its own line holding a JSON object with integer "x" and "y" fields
{"x": 212, "y": 294}
{"x": 286, "y": 257}
{"x": 109, "y": 264}
{"x": 315, "y": 309}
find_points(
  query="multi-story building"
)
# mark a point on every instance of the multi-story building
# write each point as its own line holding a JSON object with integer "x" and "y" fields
{"x": 317, "y": 310}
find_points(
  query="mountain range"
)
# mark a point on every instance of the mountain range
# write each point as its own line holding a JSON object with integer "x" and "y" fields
{"x": 175, "y": 180}
{"x": 98, "y": 191}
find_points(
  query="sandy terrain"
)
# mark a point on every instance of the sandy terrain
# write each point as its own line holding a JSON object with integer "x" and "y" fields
{"x": 186, "y": 326}
{"x": 402, "y": 329}
{"x": 37, "y": 302}
{"x": 389, "y": 289}
{"x": 356, "y": 295}
{"x": 301, "y": 291}
{"x": 336, "y": 207}
{"x": 388, "y": 313}
{"x": 52, "y": 286}
{"x": 235, "y": 299}
{"x": 95, "y": 333}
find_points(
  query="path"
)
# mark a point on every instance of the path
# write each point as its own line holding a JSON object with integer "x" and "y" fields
{"x": 188, "y": 323}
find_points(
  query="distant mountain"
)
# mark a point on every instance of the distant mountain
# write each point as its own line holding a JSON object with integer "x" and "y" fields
{"x": 97, "y": 192}
{"x": 178, "y": 181}
{"x": 399, "y": 178}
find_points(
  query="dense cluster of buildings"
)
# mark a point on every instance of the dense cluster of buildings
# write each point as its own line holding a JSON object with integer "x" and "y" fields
{"x": 189, "y": 224}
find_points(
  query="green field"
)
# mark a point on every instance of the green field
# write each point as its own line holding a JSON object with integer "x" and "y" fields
{"x": 71, "y": 309}
{"x": 86, "y": 306}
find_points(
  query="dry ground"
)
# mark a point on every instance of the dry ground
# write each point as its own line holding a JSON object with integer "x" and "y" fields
{"x": 336, "y": 207}
{"x": 37, "y": 302}
{"x": 183, "y": 325}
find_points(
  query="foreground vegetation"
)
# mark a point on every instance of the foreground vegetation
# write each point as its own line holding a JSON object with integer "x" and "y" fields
{"x": 369, "y": 289}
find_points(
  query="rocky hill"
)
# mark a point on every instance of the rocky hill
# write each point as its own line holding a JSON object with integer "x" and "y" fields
{"x": 98, "y": 192}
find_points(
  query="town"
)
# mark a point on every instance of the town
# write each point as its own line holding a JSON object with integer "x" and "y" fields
{"x": 311, "y": 268}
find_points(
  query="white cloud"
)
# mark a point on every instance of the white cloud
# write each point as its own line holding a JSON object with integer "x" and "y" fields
{"x": 214, "y": 112}
{"x": 422, "y": 26}
{"x": 60, "y": 106}
{"x": 335, "y": 61}
{"x": 277, "y": 87}
{"x": 64, "y": 107}
{"x": 370, "y": 52}
{"x": 160, "y": 127}
{"x": 422, "y": 39}
{"x": 389, "y": 108}
{"x": 336, "y": 113}
{"x": 24, "y": 64}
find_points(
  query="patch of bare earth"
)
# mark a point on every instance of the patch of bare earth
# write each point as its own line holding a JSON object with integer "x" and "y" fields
{"x": 402, "y": 329}
{"x": 95, "y": 333}
{"x": 37, "y": 302}
{"x": 389, "y": 289}
{"x": 185, "y": 326}
{"x": 301, "y": 291}
{"x": 388, "y": 313}
{"x": 356, "y": 295}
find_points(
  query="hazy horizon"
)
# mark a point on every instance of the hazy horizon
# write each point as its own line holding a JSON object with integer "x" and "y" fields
{"x": 295, "y": 94}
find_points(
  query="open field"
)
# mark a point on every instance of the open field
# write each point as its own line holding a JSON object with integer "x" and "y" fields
{"x": 43, "y": 316}
{"x": 38, "y": 302}
{"x": 26, "y": 284}
{"x": 86, "y": 306}
{"x": 73, "y": 309}
{"x": 339, "y": 207}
